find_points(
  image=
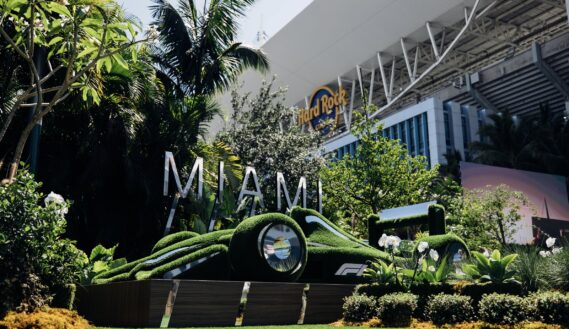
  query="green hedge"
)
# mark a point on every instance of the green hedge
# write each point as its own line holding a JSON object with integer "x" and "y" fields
{"x": 435, "y": 219}
{"x": 325, "y": 262}
{"x": 441, "y": 242}
{"x": 504, "y": 309}
{"x": 396, "y": 310}
{"x": 247, "y": 262}
{"x": 129, "y": 270}
{"x": 378, "y": 290}
{"x": 425, "y": 291}
{"x": 159, "y": 271}
{"x": 317, "y": 233}
{"x": 445, "y": 308}
{"x": 551, "y": 307}
{"x": 170, "y": 239}
{"x": 358, "y": 308}
{"x": 477, "y": 290}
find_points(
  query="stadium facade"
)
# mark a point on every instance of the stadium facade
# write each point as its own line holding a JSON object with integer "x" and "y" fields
{"x": 433, "y": 70}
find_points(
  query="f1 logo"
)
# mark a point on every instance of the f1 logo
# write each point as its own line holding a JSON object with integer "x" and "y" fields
{"x": 351, "y": 269}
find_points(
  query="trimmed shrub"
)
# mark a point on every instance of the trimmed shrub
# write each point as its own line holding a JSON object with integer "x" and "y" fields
{"x": 396, "y": 309}
{"x": 477, "y": 290}
{"x": 424, "y": 291}
{"x": 504, "y": 309}
{"x": 551, "y": 307}
{"x": 359, "y": 308}
{"x": 45, "y": 318}
{"x": 443, "y": 308}
{"x": 170, "y": 239}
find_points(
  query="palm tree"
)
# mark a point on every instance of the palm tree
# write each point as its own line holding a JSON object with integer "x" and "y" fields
{"x": 196, "y": 53}
{"x": 507, "y": 142}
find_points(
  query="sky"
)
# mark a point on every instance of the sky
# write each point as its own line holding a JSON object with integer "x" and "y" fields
{"x": 266, "y": 15}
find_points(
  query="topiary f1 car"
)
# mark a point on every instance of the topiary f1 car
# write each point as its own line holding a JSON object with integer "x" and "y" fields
{"x": 304, "y": 247}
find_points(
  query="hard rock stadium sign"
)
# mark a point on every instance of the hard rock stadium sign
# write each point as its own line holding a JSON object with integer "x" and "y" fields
{"x": 323, "y": 112}
{"x": 196, "y": 175}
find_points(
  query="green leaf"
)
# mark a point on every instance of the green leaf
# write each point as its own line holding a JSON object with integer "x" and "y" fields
{"x": 54, "y": 41}
{"x": 108, "y": 64}
{"x": 120, "y": 61}
{"x": 496, "y": 254}
{"x": 59, "y": 8}
{"x": 13, "y": 4}
{"x": 87, "y": 52}
{"x": 507, "y": 260}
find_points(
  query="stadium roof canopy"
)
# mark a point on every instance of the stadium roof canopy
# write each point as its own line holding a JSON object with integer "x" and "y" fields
{"x": 459, "y": 49}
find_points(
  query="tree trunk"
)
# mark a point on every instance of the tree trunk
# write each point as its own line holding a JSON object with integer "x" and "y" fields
{"x": 20, "y": 148}
{"x": 8, "y": 121}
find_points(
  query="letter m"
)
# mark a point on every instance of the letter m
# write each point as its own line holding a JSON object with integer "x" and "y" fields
{"x": 196, "y": 168}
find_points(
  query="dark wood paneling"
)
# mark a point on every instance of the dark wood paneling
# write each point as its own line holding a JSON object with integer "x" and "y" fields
{"x": 273, "y": 303}
{"x": 324, "y": 302}
{"x": 206, "y": 303}
{"x": 115, "y": 304}
{"x": 159, "y": 290}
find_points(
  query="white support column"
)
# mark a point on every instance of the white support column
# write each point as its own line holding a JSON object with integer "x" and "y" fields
{"x": 458, "y": 134}
{"x": 473, "y": 123}
{"x": 437, "y": 143}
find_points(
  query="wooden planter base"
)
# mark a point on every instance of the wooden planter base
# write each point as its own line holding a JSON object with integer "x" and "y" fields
{"x": 186, "y": 303}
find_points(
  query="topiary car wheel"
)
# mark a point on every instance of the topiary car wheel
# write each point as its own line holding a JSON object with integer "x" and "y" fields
{"x": 268, "y": 247}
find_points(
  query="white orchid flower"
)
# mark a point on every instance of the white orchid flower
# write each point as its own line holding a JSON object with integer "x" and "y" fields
{"x": 550, "y": 242}
{"x": 434, "y": 255}
{"x": 382, "y": 240}
{"x": 423, "y": 245}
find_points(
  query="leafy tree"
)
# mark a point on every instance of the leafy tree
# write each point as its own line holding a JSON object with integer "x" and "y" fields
{"x": 77, "y": 39}
{"x": 487, "y": 217}
{"x": 263, "y": 134}
{"x": 380, "y": 175}
{"x": 197, "y": 53}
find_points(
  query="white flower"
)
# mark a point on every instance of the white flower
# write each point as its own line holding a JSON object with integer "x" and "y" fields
{"x": 486, "y": 253}
{"x": 544, "y": 253}
{"x": 152, "y": 32}
{"x": 550, "y": 242}
{"x": 556, "y": 251}
{"x": 393, "y": 241}
{"x": 431, "y": 268}
{"x": 458, "y": 271}
{"x": 423, "y": 245}
{"x": 434, "y": 254}
{"x": 57, "y": 199}
{"x": 382, "y": 240}
{"x": 11, "y": 19}
{"x": 54, "y": 197}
